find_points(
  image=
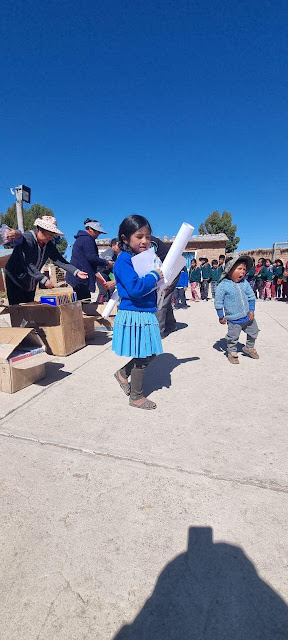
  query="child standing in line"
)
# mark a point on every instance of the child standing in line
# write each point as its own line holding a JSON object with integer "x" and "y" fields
{"x": 194, "y": 279}
{"x": 179, "y": 291}
{"x": 259, "y": 282}
{"x": 216, "y": 272}
{"x": 267, "y": 279}
{"x": 136, "y": 331}
{"x": 235, "y": 298}
{"x": 285, "y": 283}
{"x": 221, "y": 260}
{"x": 206, "y": 273}
{"x": 278, "y": 278}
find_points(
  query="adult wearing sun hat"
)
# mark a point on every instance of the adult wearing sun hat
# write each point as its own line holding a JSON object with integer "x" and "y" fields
{"x": 85, "y": 256}
{"x": 33, "y": 248}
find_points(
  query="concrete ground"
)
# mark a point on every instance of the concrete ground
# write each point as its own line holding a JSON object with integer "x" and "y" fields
{"x": 171, "y": 524}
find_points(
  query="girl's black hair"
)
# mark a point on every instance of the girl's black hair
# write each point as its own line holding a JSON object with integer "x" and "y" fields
{"x": 128, "y": 226}
{"x": 278, "y": 260}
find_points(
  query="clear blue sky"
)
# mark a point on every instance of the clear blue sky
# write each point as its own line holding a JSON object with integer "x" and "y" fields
{"x": 168, "y": 109}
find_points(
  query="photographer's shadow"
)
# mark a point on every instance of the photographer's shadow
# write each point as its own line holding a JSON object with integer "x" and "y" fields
{"x": 160, "y": 371}
{"x": 210, "y": 592}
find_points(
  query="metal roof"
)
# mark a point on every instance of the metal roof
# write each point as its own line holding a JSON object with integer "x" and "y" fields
{"x": 208, "y": 237}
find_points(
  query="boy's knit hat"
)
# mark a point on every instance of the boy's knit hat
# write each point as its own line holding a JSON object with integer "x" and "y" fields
{"x": 233, "y": 260}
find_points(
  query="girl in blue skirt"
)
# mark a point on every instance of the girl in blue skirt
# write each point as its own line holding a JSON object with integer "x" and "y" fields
{"x": 136, "y": 331}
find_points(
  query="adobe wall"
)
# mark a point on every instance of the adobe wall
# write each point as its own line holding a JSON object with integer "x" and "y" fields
{"x": 211, "y": 250}
{"x": 281, "y": 253}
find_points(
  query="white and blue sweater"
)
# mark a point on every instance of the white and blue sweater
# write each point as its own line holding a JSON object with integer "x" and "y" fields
{"x": 236, "y": 299}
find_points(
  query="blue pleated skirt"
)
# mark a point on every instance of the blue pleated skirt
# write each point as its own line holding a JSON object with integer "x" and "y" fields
{"x": 136, "y": 334}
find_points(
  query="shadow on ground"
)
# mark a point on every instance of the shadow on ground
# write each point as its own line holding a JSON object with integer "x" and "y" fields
{"x": 53, "y": 373}
{"x": 221, "y": 345}
{"x": 100, "y": 337}
{"x": 160, "y": 371}
{"x": 210, "y": 592}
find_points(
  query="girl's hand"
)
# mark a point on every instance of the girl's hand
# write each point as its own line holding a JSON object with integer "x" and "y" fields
{"x": 222, "y": 320}
{"x": 82, "y": 274}
{"x": 159, "y": 273}
{"x": 251, "y": 315}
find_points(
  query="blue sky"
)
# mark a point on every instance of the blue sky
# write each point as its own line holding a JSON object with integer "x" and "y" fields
{"x": 168, "y": 109}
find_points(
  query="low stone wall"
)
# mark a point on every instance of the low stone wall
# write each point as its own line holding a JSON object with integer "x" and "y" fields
{"x": 281, "y": 253}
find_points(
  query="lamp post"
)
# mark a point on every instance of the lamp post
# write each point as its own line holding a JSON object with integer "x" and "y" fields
{"x": 23, "y": 194}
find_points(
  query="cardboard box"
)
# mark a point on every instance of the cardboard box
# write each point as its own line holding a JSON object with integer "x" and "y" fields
{"x": 61, "y": 328}
{"x": 19, "y": 369}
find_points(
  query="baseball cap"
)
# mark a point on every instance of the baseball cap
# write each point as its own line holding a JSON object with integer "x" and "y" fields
{"x": 94, "y": 224}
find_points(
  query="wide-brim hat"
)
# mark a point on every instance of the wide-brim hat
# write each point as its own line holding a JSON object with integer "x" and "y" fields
{"x": 233, "y": 260}
{"x": 94, "y": 224}
{"x": 49, "y": 223}
{"x": 203, "y": 258}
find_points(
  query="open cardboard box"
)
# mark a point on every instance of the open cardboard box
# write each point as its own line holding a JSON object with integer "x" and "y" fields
{"x": 61, "y": 328}
{"x": 92, "y": 311}
{"x": 18, "y": 374}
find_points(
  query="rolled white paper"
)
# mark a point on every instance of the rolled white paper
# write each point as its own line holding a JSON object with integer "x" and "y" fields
{"x": 175, "y": 251}
{"x": 111, "y": 304}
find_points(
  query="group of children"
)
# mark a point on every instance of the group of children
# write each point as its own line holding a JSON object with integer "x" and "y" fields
{"x": 269, "y": 280}
{"x": 200, "y": 277}
{"x": 136, "y": 330}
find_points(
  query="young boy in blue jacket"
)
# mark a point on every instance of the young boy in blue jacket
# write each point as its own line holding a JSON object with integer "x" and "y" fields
{"x": 179, "y": 292}
{"x": 235, "y": 304}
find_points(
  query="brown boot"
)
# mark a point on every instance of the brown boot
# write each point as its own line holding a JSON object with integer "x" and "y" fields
{"x": 251, "y": 352}
{"x": 233, "y": 358}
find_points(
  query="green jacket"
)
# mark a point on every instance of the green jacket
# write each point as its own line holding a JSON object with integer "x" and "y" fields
{"x": 216, "y": 273}
{"x": 195, "y": 274}
{"x": 206, "y": 271}
{"x": 267, "y": 275}
{"x": 278, "y": 272}
{"x": 251, "y": 274}
{"x": 259, "y": 275}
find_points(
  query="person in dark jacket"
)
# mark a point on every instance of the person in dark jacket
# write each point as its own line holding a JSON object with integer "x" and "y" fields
{"x": 33, "y": 248}
{"x": 165, "y": 315}
{"x": 85, "y": 256}
{"x": 206, "y": 275}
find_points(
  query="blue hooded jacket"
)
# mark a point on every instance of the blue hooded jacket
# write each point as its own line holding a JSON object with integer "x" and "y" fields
{"x": 85, "y": 257}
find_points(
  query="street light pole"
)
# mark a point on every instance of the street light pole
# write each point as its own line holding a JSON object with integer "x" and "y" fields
{"x": 19, "y": 209}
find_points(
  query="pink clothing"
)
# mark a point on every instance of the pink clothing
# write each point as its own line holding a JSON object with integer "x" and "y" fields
{"x": 267, "y": 288}
{"x": 194, "y": 290}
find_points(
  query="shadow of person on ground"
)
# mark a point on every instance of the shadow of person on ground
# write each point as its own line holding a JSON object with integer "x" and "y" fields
{"x": 221, "y": 345}
{"x": 210, "y": 592}
{"x": 160, "y": 371}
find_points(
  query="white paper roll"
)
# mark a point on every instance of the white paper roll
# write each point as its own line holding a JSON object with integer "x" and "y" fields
{"x": 176, "y": 250}
{"x": 111, "y": 304}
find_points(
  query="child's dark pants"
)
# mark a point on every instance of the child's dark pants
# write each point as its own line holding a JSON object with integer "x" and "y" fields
{"x": 136, "y": 368}
{"x": 204, "y": 289}
{"x": 234, "y": 330}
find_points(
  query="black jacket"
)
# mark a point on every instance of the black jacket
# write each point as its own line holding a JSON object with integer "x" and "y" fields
{"x": 160, "y": 247}
{"x": 25, "y": 264}
{"x": 85, "y": 257}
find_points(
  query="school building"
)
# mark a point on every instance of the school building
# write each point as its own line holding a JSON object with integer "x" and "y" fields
{"x": 210, "y": 245}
